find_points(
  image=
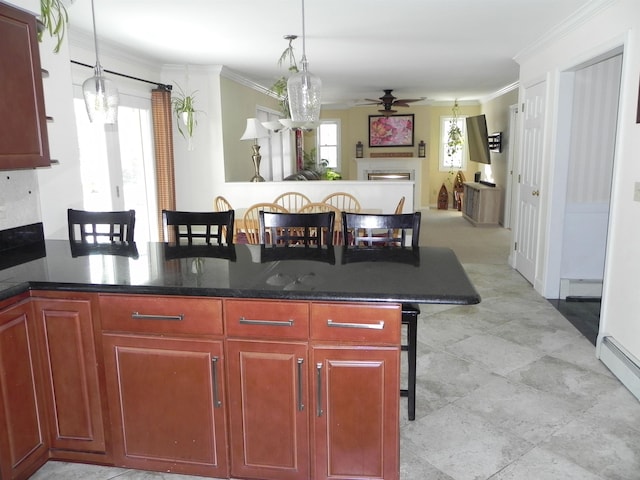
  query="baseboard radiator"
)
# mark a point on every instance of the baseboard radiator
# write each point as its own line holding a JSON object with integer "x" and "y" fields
{"x": 622, "y": 364}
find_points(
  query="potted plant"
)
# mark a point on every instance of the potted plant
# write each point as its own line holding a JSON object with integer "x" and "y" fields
{"x": 184, "y": 109}
{"x": 54, "y": 19}
{"x": 280, "y": 85}
{"x": 454, "y": 135}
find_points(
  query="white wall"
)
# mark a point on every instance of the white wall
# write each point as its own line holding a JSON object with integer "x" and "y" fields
{"x": 605, "y": 26}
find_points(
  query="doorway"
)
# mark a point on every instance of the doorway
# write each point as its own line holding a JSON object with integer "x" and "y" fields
{"x": 117, "y": 163}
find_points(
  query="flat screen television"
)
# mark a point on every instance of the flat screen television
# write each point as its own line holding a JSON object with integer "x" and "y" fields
{"x": 478, "y": 139}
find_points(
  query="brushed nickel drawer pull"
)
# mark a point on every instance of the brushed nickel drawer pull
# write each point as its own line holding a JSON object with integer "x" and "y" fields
{"x": 300, "y": 403}
{"x": 271, "y": 323}
{"x": 372, "y": 326}
{"x": 214, "y": 374}
{"x": 142, "y": 316}
{"x": 319, "y": 411}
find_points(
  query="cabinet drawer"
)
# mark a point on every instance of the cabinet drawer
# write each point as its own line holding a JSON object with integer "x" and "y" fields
{"x": 267, "y": 319}
{"x": 363, "y": 323}
{"x": 161, "y": 314}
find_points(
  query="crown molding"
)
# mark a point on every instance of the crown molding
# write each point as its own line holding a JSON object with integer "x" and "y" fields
{"x": 236, "y": 77}
{"x": 582, "y": 15}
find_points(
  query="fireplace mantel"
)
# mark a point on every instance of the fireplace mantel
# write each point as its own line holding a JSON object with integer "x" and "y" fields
{"x": 411, "y": 165}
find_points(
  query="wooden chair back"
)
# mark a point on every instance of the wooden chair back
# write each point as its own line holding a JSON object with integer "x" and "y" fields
{"x": 345, "y": 202}
{"x": 388, "y": 230}
{"x": 198, "y": 227}
{"x": 297, "y": 228}
{"x": 251, "y": 221}
{"x": 292, "y": 201}
{"x": 221, "y": 204}
{"x": 400, "y": 206}
{"x": 93, "y": 227}
{"x": 321, "y": 207}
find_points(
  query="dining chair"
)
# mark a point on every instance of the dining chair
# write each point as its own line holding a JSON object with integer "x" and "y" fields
{"x": 321, "y": 207}
{"x": 388, "y": 231}
{"x": 297, "y": 228}
{"x": 203, "y": 227}
{"x": 221, "y": 204}
{"x": 343, "y": 201}
{"x": 93, "y": 227}
{"x": 251, "y": 223}
{"x": 292, "y": 201}
{"x": 400, "y": 206}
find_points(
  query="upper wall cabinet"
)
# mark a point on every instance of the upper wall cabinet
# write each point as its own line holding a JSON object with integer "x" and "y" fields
{"x": 23, "y": 136}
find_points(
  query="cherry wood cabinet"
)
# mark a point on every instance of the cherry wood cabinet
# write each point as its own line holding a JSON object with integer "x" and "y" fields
{"x": 268, "y": 388}
{"x": 166, "y": 390}
{"x": 23, "y": 136}
{"x": 356, "y": 370}
{"x": 23, "y": 444}
{"x": 66, "y": 340}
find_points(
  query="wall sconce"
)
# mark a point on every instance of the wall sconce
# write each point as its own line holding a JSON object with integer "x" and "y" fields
{"x": 359, "y": 149}
{"x": 422, "y": 149}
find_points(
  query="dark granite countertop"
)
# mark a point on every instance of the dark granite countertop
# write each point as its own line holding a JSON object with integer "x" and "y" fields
{"x": 424, "y": 275}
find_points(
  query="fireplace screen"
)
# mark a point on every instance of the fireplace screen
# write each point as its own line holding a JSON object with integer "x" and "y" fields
{"x": 388, "y": 176}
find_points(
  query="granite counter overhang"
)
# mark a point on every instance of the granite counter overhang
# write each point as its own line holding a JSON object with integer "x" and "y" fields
{"x": 433, "y": 275}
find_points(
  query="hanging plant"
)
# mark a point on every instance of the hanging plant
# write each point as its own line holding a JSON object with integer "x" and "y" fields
{"x": 454, "y": 136}
{"x": 54, "y": 18}
{"x": 184, "y": 109}
{"x": 280, "y": 86}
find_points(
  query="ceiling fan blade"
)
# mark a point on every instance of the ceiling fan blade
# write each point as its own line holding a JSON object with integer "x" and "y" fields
{"x": 387, "y": 113}
{"x": 401, "y": 104}
{"x": 407, "y": 100}
{"x": 375, "y": 102}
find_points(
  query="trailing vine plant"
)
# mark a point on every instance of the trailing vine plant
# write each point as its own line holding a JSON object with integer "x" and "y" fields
{"x": 280, "y": 85}
{"x": 454, "y": 136}
{"x": 54, "y": 18}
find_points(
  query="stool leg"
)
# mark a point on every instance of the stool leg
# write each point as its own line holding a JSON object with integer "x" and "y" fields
{"x": 412, "y": 330}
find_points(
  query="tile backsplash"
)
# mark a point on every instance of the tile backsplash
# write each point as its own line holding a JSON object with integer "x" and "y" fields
{"x": 19, "y": 198}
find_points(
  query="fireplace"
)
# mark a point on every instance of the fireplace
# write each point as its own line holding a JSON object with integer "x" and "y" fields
{"x": 395, "y": 169}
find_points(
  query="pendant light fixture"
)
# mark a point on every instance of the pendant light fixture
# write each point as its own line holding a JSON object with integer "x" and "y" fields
{"x": 304, "y": 90}
{"x": 100, "y": 93}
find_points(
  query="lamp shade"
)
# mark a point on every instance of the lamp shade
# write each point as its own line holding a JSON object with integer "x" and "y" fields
{"x": 254, "y": 130}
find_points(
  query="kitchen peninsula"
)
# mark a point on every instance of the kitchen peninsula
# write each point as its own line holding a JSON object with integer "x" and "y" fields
{"x": 241, "y": 362}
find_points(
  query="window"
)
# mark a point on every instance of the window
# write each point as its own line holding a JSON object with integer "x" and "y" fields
{"x": 457, "y": 161}
{"x": 329, "y": 143}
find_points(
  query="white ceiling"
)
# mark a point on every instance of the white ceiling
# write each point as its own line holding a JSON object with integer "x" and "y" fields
{"x": 438, "y": 49}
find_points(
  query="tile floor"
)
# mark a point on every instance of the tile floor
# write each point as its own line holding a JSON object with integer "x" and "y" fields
{"x": 507, "y": 389}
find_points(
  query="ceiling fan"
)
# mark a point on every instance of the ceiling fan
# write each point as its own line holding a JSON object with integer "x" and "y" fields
{"x": 388, "y": 101}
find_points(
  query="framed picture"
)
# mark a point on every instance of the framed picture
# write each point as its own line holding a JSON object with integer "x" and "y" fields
{"x": 391, "y": 131}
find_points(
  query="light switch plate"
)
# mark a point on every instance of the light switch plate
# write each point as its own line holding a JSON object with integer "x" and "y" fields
{"x": 636, "y": 192}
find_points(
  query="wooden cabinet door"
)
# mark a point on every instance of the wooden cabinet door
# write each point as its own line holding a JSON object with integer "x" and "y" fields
{"x": 23, "y": 446}
{"x": 68, "y": 353}
{"x": 268, "y": 419}
{"x": 355, "y": 412}
{"x": 166, "y": 403}
{"x": 23, "y": 136}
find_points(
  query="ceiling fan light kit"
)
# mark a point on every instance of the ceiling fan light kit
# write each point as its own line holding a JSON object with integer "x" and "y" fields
{"x": 388, "y": 101}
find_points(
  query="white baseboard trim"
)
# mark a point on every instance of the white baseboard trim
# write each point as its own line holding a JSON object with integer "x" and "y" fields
{"x": 571, "y": 287}
{"x": 622, "y": 364}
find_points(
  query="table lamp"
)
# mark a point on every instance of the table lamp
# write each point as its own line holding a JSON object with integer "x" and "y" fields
{"x": 254, "y": 131}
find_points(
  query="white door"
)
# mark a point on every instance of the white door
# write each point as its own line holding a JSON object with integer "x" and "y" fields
{"x": 117, "y": 163}
{"x": 529, "y": 174}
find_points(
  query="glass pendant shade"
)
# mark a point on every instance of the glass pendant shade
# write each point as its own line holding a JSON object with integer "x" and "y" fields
{"x": 100, "y": 94}
{"x": 101, "y": 98}
{"x": 304, "y": 90}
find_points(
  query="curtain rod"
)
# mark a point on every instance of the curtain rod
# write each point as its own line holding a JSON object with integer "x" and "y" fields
{"x": 161, "y": 86}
